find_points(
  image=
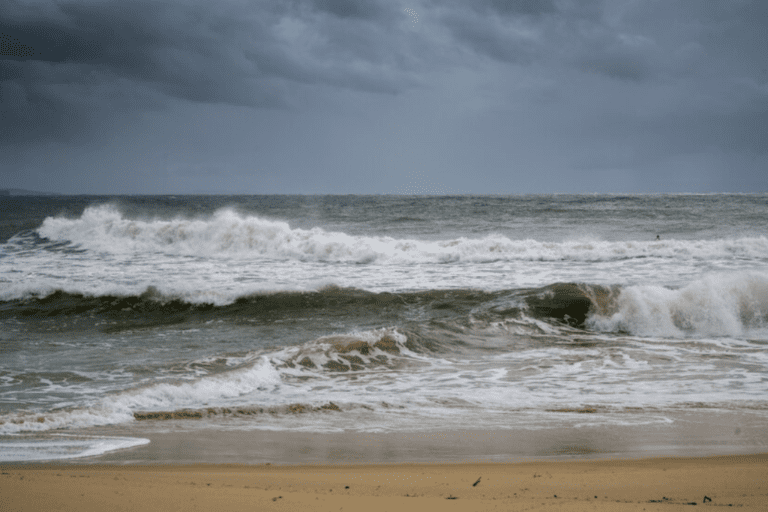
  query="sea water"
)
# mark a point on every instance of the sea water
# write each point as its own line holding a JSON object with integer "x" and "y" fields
{"x": 374, "y": 313}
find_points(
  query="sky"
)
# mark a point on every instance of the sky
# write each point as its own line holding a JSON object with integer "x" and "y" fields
{"x": 384, "y": 96}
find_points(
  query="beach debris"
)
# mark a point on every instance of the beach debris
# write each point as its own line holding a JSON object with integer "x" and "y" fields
{"x": 451, "y": 497}
{"x": 478, "y": 481}
{"x": 706, "y": 499}
{"x": 665, "y": 499}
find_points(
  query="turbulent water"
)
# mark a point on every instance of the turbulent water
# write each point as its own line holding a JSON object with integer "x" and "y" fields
{"x": 373, "y": 313}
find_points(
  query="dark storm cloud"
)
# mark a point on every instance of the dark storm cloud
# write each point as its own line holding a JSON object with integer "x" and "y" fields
{"x": 67, "y": 65}
{"x": 47, "y": 42}
{"x": 350, "y": 8}
{"x": 590, "y": 84}
{"x": 539, "y": 31}
{"x": 683, "y": 78}
{"x": 505, "y": 31}
{"x": 706, "y": 62}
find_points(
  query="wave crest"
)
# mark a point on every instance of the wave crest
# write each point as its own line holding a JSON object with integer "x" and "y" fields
{"x": 104, "y": 228}
{"x": 120, "y": 407}
{"x": 716, "y": 305}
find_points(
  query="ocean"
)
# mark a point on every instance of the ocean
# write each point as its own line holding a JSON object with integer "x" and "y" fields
{"x": 122, "y": 316}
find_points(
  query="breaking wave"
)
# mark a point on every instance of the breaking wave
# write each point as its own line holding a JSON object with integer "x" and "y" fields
{"x": 120, "y": 407}
{"x": 716, "y": 305}
{"x": 451, "y": 322}
{"x": 354, "y": 352}
{"x": 105, "y": 229}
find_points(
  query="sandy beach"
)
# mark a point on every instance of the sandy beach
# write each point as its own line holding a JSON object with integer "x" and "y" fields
{"x": 664, "y": 484}
{"x": 702, "y": 459}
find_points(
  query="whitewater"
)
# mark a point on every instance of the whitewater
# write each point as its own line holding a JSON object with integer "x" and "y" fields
{"x": 121, "y": 316}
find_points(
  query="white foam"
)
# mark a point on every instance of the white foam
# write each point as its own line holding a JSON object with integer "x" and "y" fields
{"x": 324, "y": 349}
{"x": 62, "y": 446}
{"x": 227, "y": 255}
{"x": 104, "y": 229}
{"x": 203, "y": 391}
{"x": 715, "y": 305}
{"x": 119, "y": 408}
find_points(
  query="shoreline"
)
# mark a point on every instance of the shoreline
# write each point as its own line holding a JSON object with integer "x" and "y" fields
{"x": 695, "y": 433}
{"x": 660, "y": 483}
{"x": 689, "y": 433}
{"x": 570, "y": 465}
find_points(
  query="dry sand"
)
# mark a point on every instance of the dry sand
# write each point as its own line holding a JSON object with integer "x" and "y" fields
{"x": 663, "y": 484}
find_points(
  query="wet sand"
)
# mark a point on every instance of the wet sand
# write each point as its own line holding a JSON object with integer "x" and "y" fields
{"x": 663, "y": 466}
{"x": 663, "y": 484}
{"x": 692, "y": 433}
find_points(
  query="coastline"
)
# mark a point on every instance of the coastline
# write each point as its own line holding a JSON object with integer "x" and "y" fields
{"x": 692, "y": 432}
{"x": 662, "y": 467}
{"x": 425, "y": 366}
{"x": 665, "y": 483}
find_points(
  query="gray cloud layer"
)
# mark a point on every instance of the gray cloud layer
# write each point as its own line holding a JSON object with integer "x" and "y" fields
{"x": 632, "y": 86}
{"x": 132, "y": 54}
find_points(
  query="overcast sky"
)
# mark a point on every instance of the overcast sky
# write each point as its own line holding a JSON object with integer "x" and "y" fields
{"x": 384, "y": 96}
